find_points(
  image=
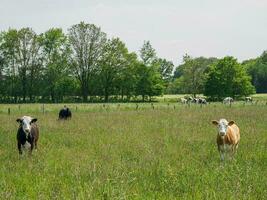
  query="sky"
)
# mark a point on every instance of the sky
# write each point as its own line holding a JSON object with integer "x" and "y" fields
{"x": 210, "y": 28}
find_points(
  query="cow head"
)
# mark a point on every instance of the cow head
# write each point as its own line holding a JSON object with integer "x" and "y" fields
{"x": 222, "y": 126}
{"x": 25, "y": 123}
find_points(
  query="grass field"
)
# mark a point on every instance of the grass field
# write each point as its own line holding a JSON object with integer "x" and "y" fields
{"x": 118, "y": 152}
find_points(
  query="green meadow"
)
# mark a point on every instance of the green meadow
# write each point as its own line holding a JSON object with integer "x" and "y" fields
{"x": 121, "y": 151}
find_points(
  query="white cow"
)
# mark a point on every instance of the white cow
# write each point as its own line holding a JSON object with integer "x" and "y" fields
{"x": 183, "y": 100}
{"x": 228, "y": 100}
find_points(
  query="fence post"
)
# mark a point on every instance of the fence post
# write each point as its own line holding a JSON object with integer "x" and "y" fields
{"x": 8, "y": 111}
{"x": 43, "y": 109}
{"x": 136, "y": 107}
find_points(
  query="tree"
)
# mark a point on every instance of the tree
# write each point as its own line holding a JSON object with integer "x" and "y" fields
{"x": 27, "y": 52}
{"x": 149, "y": 81}
{"x": 2, "y": 64}
{"x": 165, "y": 69}
{"x": 227, "y": 78}
{"x": 7, "y": 46}
{"x": 55, "y": 53}
{"x": 111, "y": 65}
{"x": 126, "y": 82}
{"x": 192, "y": 74}
{"x": 21, "y": 50}
{"x": 257, "y": 68}
{"x": 147, "y": 53}
{"x": 87, "y": 42}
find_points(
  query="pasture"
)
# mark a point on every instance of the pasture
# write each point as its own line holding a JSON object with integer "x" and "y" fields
{"x": 116, "y": 151}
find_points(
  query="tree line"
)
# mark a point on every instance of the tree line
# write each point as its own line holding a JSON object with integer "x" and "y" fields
{"x": 219, "y": 78}
{"x": 84, "y": 65}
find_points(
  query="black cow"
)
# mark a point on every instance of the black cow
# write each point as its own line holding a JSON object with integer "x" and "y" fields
{"x": 64, "y": 113}
{"x": 27, "y": 132}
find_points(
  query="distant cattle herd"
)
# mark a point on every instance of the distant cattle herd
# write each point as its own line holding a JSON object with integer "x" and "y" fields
{"x": 195, "y": 100}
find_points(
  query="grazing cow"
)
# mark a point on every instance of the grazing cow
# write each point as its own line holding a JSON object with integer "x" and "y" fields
{"x": 195, "y": 100}
{"x": 228, "y": 100}
{"x": 228, "y": 137}
{"x": 202, "y": 101}
{"x": 27, "y": 132}
{"x": 248, "y": 99}
{"x": 64, "y": 113}
{"x": 189, "y": 99}
{"x": 183, "y": 100}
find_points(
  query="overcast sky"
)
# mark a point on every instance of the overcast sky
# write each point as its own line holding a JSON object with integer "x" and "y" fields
{"x": 197, "y": 27}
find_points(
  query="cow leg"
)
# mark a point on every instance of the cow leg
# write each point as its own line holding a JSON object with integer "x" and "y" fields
{"x": 235, "y": 148}
{"x": 232, "y": 151}
{"x": 222, "y": 155}
{"x": 35, "y": 144}
{"x": 221, "y": 151}
{"x": 19, "y": 148}
{"x": 32, "y": 145}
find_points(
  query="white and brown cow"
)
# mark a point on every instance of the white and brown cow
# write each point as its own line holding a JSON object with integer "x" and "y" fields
{"x": 27, "y": 132}
{"x": 228, "y": 137}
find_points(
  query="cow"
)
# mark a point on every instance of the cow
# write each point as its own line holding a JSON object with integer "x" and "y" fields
{"x": 228, "y": 137}
{"x": 228, "y": 100}
{"x": 64, "y": 113}
{"x": 202, "y": 101}
{"x": 183, "y": 100}
{"x": 248, "y": 99}
{"x": 28, "y": 132}
{"x": 195, "y": 100}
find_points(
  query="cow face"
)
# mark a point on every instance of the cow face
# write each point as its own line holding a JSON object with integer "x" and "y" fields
{"x": 222, "y": 126}
{"x": 25, "y": 123}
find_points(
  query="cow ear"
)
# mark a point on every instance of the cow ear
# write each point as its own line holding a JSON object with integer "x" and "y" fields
{"x": 19, "y": 120}
{"x": 215, "y": 122}
{"x": 231, "y": 123}
{"x": 34, "y": 120}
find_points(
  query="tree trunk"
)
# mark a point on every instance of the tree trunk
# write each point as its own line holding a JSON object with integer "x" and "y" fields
{"x": 106, "y": 94}
{"x": 84, "y": 91}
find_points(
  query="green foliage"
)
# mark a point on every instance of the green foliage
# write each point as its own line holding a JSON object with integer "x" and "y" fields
{"x": 113, "y": 61}
{"x": 85, "y": 63}
{"x": 55, "y": 54}
{"x": 149, "y": 80}
{"x": 191, "y": 75}
{"x": 86, "y": 42}
{"x": 147, "y": 53}
{"x": 257, "y": 68}
{"x": 228, "y": 78}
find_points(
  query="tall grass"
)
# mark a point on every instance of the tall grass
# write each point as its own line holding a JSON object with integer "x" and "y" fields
{"x": 122, "y": 153}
